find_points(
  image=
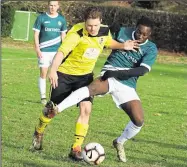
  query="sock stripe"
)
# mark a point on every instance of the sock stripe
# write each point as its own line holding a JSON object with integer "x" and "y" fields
{"x": 79, "y": 136}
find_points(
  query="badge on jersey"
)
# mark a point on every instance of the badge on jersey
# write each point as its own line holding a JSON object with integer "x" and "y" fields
{"x": 91, "y": 53}
{"x": 101, "y": 40}
{"x": 59, "y": 23}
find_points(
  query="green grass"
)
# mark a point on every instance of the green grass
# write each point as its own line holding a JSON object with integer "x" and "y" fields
{"x": 161, "y": 143}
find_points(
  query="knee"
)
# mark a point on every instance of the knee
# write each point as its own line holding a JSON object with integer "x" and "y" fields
{"x": 92, "y": 90}
{"x": 138, "y": 121}
{"x": 85, "y": 109}
{"x": 43, "y": 75}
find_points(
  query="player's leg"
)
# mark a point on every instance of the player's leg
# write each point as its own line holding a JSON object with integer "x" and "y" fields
{"x": 81, "y": 126}
{"x": 42, "y": 84}
{"x": 97, "y": 87}
{"x": 127, "y": 99}
{"x": 135, "y": 112}
{"x": 50, "y": 110}
{"x": 44, "y": 63}
{"x": 81, "y": 129}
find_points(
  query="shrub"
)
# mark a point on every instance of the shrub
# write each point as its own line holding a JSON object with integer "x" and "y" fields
{"x": 170, "y": 32}
{"x": 7, "y": 19}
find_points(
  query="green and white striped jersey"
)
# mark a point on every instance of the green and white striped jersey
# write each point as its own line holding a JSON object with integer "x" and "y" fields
{"x": 50, "y": 29}
{"x": 121, "y": 59}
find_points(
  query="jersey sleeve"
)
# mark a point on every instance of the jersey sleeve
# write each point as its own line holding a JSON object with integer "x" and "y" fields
{"x": 150, "y": 57}
{"x": 108, "y": 40}
{"x": 64, "y": 25}
{"x": 37, "y": 24}
{"x": 70, "y": 42}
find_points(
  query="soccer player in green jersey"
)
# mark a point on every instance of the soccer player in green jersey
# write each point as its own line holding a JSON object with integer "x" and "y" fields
{"x": 72, "y": 68}
{"x": 49, "y": 31}
{"x": 119, "y": 77}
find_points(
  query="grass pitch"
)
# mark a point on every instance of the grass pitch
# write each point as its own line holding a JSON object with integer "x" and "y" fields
{"x": 161, "y": 143}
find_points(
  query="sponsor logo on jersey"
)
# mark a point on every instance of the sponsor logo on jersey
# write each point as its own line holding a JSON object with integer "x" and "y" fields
{"x": 59, "y": 23}
{"x": 46, "y": 22}
{"x": 129, "y": 57}
{"x": 52, "y": 29}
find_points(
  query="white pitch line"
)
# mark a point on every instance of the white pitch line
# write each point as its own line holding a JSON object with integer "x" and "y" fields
{"x": 20, "y": 59}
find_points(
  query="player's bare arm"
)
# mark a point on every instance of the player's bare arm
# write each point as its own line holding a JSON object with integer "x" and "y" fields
{"x": 53, "y": 77}
{"x": 63, "y": 35}
{"x": 37, "y": 46}
{"x": 127, "y": 45}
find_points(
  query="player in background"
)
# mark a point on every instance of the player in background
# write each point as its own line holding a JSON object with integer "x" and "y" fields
{"x": 119, "y": 78}
{"x": 49, "y": 31}
{"x": 72, "y": 68}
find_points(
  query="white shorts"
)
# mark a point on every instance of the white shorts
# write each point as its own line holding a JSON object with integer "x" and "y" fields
{"x": 46, "y": 60}
{"x": 121, "y": 93}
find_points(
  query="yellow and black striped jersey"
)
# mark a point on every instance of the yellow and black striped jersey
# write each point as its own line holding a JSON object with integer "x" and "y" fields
{"x": 81, "y": 50}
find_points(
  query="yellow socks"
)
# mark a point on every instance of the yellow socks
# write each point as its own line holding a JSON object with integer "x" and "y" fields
{"x": 80, "y": 133}
{"x": 80, "y": 129}
{"x": 43, "y": 122}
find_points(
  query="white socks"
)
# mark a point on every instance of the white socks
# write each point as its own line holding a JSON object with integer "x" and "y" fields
{"x": 42, "y": 87}
{"x": 74, "y": 98}
{"x": 130, "y": 131}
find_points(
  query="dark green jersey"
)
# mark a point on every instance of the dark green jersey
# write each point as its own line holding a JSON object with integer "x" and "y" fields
{"x": 50, "y": 29}
{"x": 121, "y": 59}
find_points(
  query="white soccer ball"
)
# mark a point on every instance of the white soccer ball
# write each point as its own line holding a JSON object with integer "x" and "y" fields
{"x": 93, "y": 153}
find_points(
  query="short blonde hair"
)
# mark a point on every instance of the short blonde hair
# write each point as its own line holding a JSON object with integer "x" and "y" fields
{"x": 50, "y": 1}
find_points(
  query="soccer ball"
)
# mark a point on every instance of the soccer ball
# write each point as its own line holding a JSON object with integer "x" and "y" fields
{"x": 93, "y": 153}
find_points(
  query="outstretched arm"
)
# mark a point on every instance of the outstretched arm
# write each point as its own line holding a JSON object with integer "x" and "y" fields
{"x": 127, "y": 45}
{"x": 125, "y": 74}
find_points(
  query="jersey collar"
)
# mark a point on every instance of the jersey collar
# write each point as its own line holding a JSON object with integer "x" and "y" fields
{"x": 133, "y": 37}
{"x": 51, "y": 16}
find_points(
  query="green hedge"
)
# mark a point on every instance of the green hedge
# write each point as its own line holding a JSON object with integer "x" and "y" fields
{"x": 7, "y": 19}
{"x": 170, "y": 32}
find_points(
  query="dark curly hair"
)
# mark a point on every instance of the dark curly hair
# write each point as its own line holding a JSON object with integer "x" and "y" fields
{"x": 145, "y": 21}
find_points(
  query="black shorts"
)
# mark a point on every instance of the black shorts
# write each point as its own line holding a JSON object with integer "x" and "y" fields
{"x": 67, "y": 84}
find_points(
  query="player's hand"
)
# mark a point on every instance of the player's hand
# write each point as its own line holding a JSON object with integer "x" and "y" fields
{"x": 108, "y": 74}
{"x": 53, "y": 78}
{"x": 131, "y": 45}
{"x": 39, "y": 53}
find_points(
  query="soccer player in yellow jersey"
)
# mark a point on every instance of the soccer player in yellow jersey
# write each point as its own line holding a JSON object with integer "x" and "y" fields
{"x": 72, "y": 69}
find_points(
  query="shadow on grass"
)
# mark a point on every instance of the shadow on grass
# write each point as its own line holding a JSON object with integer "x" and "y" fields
{"x": 20, "y": 100}
{"x": 55, "y": 161}
{"x": 166, "y": 145}
{"x": 176, "y": 98}
{"x": 159, "y": 163}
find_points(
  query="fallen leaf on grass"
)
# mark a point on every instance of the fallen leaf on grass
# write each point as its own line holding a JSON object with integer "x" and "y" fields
{"x": 157, "y": 114}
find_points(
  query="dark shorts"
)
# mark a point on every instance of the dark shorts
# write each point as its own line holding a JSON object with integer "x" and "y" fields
{"x": 67, "y": 84}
